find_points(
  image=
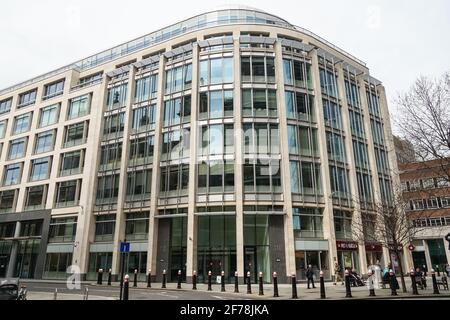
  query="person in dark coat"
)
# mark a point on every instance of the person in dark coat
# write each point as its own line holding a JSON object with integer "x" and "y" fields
{"x": 310, "y": 276}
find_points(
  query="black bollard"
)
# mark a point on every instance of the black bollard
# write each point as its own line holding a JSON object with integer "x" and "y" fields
{"x": 149, "y": 278}
{"x": 261, "y": 289}
{"x": 348, "y": 290}
{"x": 100, "y": 276}
{"x": 222, "y": 281}
{"x": 435, "y": 286}
{"x": 438, "y": 272}
{"x": 135, "y": 278}
{"x": 424, "y": 270}
{"x": 164, "y": 279}
{"x": 294, "y": 286}
{"x": 322, "y": 286}
{"x": 275, "y": 285}
{"x": 194, "y": 280}
{"x": 371, "y": 287}
{"x": 109, "y": 277}
{"x": 209, "y": 281}
{"x": 393, "y": 284}
{"x": 413, "y": 283}
{"x": 125, "y": 287}
{"x": 249, "y": 282}
{"x": 179, "y": 280}
{"x": 236, "y": 282}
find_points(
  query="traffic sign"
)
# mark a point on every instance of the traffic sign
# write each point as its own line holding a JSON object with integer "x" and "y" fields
{"x": 411, "y": 247}
{"x": 124, "y": 247}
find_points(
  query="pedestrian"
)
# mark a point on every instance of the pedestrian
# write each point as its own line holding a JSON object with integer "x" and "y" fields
{"x": 310, "y": 276}
{"x": 337, "y": 273}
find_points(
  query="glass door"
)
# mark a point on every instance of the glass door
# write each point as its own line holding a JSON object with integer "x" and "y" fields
{"x": 4, "y": 260}
{"x": 250, "y": 262}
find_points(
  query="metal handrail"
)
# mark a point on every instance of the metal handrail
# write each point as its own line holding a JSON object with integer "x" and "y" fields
{"x": 172, "y": 31}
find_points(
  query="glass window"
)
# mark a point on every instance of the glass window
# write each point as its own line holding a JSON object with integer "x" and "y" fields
{"x": 144, "y": 118}
{"x": 62, "y": 229}
{"x": 68, "y": 193}
{"x": 75, "y": 134}
{"x": 22, "y": 123}
{"x": 53, "y": 89}
{"x": 17, "y": 148}
{"x": 136, "y": 226}
{"x": 139, "y": 184}
{"x": 204, "y": 78}
{"x": 3, "y": 125}
{"x": 141, "y": 150}
{"x": 49, "y": 115}
{"x": 104, "y": 227}
{"x": 27, "y": 98}
{"x": 216, "y": 71}
{"x": 110, "y": 156}
{"x": 44, "y": 142}
{"x": 216, "y": 104}
{"x": 114, "y": 125}
{"x": 40, "y": 169}
{"x": 287, "y": 71}
{"x": 5, "y": 105}
{"x": 13, "y": 174}
{"x": 259, "y": 102}
{"x": 36, "y": 197}
{"x": 228, "y": 70}
{"x": 107, "y": 189}
{"x": 7, "y": 199}
{"x": 78, "y": 107}
{"x": 258, "y": 69}
{"x": 116, "y": 97}
{"x": 72, "y": 163}
{"x": 146, "y": 88}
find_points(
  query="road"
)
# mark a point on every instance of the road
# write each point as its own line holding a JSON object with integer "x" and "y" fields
{"x": 110, "y": 293}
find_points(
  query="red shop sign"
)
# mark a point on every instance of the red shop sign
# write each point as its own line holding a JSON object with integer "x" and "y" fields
{"x": 374, "y": 247}
{"x": 346, "y": 245}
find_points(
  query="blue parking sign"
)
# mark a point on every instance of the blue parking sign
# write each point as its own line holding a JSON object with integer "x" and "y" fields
{"x": 124, "y": 247}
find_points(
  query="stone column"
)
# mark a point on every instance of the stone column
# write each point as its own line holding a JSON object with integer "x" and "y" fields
{"x": 86, "y": 220}
{"x": 119, "y": 232}
{"x": 191, "y": 254}
{"x": 284, "y": 167}
{"x": 328, "y": 218}
{"x": 154, "y": 196}
{"x": 14, "y": 249}
{"x": 239, "y": 158}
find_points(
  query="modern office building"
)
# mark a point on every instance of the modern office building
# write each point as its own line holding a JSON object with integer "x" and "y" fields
{"x": 232, "y": 140}
{"x": 426, "y": 187}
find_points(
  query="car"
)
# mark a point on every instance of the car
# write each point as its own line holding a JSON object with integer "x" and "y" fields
{"x": 9, "y": 289}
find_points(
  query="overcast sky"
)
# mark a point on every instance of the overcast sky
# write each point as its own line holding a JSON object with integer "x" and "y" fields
{"x": 399, "y": 40}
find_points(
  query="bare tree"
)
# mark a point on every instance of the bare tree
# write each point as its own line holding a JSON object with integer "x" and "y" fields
{"x": 392, "y": 225}
{"x": 423, "y": 119}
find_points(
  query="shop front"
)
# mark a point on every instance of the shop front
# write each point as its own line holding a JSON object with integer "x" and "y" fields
{"x": 314, "y": 253}
{"x": 347, "y": 252}
{"x": 374, "y": 254}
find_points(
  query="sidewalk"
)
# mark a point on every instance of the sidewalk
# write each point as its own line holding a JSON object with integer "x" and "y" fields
{"x": 63, "y": 296}
{"x": 332, "y": 291}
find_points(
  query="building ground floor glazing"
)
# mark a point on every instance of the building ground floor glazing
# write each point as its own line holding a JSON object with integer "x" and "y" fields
{"x": 44, "y": 248}
{"x": 432, "y": 252}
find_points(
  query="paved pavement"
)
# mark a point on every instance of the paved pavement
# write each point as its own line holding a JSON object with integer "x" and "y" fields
{"x": 42, "y": 290}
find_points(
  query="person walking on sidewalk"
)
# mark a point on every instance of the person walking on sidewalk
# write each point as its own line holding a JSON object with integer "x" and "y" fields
{"x": 337, "y": 273}
{"x": 310, "y": 276}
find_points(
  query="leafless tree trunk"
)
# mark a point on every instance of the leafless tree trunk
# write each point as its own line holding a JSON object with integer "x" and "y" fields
{"x": 423, "y": 119}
